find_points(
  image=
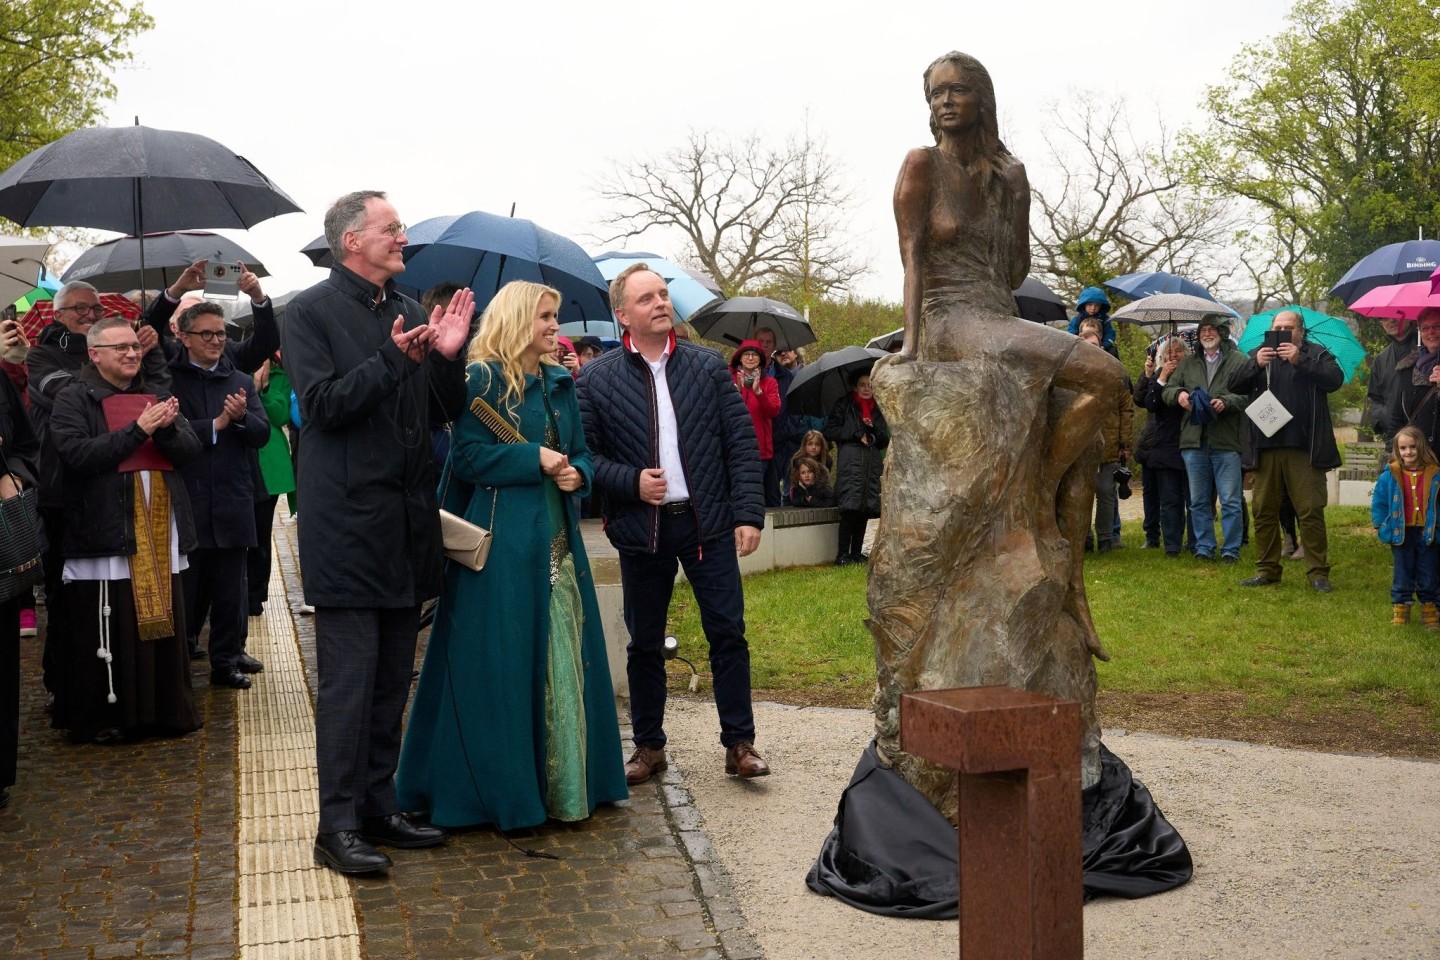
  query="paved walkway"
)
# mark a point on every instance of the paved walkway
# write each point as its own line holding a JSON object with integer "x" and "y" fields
{"x": 199, "y": 847}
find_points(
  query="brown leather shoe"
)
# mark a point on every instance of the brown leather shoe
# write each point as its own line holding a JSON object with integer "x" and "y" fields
{"x": 644, "y": 763}
{"x": 742, "y": 761}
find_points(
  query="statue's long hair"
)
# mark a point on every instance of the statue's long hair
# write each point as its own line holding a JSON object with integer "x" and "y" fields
{"x": 989, "y": 151}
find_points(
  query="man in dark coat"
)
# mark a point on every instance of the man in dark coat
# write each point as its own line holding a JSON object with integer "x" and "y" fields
{"x": 366, "y": 367}
{"x": 1384, "y": 380}
{"x": 1301, "y": 374}
{"x": 127, "y": 530}
{"x": 676, "y": 457}
{"x": 58, "y": 355}
{"x": 224, "y": 411}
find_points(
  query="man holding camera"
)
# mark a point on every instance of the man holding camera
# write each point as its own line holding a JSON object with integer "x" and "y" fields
{"x": 1300, "y": 373}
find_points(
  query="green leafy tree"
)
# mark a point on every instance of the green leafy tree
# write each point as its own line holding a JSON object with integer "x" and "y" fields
{"x": 1331, "y": 129}
{"x": 56, "y": 61}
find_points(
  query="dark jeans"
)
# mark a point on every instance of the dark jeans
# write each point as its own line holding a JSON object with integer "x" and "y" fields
{"x": 215, "y": 587}
{"x": 1415, "y": 569}
{"x": 364, "y": 659}
{"x": 647, "y": 580}
{"x": 1171, "y": 493}
{"x": 774, "y": 481}
{"x": 852, "y": 533}
{"x": 1150, "y": 497}
{"x": 785, "y": 451}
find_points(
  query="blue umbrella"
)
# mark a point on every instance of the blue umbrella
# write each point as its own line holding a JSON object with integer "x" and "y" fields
{"x": 687, "y": 294}
{"x": 484, "y": 252}
{"x": 1393, "y": 263}
{"x": 317, "y": 251}
{"x": 1136, "y": 285}
{"x": 1332, "y": 333}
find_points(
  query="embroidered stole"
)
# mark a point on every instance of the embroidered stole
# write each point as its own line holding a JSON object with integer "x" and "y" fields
{"x": 150, "y": 564}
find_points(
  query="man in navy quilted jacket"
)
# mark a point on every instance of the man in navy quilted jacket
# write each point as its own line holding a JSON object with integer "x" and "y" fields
{"x": 676, "y": 457}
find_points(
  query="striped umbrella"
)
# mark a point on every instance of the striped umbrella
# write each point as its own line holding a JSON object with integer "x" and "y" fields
{"x": 42, "y": 313}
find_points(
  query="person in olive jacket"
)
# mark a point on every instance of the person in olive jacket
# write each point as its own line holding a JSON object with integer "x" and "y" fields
{"x": 1209, "y": 385}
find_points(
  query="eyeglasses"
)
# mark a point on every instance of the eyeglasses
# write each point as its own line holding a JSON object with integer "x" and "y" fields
{"x": 394, "y": 229}
{"x": 209, "y": 336}
{"x": 1430, "y": 328}
{"x": 94, "y": 309}
{"x": 120, "y": 348}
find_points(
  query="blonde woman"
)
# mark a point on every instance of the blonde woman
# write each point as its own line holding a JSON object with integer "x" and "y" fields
{"x": 514, "y": 720}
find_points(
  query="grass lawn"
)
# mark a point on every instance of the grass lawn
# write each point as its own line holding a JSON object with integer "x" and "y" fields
{"x": 1174, "y": 627}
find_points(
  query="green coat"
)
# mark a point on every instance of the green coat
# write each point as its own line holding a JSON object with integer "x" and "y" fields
{"x": 1227, "y": 432}
{"x": 275, "y": 466}
{"x": 487, "y": 655}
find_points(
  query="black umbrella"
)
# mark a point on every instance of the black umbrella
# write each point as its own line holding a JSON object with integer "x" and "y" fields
{"x": 114, "y": 266}
{"x": 318, "y": 251}
{"x": 244, "y": 315}
{"x": 134, "y": 179}
{"x": 818, "y": 385}
{"x": 1035, "y": 301}
{"x": 888, "y": 341}
{"x": 734, "y": 321}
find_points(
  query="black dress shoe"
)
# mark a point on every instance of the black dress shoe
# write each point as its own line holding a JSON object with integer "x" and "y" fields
{"x": 345, "y": 851}
{"x": 398, "y": 830}
{"x": 248, "y": 664}
{"x": 229, "y": 678}
{"x": 1259, "y": 580}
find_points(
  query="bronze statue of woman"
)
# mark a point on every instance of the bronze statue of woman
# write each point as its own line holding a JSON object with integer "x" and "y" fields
{"x": 976, "y": 573}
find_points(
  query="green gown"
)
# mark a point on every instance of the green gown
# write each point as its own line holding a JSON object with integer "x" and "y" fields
{"x": 513, "y": 721}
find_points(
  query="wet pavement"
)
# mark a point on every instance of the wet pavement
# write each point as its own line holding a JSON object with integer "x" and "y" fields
{"x": 186, "y": 848}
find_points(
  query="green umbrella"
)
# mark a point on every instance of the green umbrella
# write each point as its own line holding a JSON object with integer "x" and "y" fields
{"x": 23, "y": 305}
{"x": 1332, "y": 333}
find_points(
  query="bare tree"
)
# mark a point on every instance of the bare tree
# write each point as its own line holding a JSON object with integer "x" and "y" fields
{"x": 1122, "y": 206}
{"x": 754, "y": 215}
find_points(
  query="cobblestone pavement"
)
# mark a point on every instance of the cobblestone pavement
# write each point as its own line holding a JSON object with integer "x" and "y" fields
{"x": 130, "y": 851}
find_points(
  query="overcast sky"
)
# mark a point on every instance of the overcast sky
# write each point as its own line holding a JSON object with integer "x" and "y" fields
{"x": 453, "y": 108}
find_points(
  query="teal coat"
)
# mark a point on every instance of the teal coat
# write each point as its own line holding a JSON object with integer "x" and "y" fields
{"x": 275, "y": 465}
{"x": 486, "y": 660}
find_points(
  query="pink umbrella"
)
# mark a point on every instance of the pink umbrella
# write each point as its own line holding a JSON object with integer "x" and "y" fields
{"x": 1435, "y": 281}
{"x": 1403, "y": 301}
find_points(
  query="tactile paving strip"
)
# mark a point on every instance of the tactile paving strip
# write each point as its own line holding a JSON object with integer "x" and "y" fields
{"x": 288, "y": 906}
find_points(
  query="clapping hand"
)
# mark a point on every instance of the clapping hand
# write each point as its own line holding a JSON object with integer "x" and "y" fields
{"x": 415, "y": 343}
{"x": 452, "y": 324}
{"x": 233, "y": 411}
{"x": 157, "y": 416}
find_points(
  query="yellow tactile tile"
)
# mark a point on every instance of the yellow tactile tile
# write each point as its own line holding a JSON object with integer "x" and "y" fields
{"x": 288, "y": 907}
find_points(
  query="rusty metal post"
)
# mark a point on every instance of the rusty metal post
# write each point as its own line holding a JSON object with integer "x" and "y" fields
{"x": 1017, "y": 755}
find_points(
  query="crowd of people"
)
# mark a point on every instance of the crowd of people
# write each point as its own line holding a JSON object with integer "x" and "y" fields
{"x": 160, "y": 449}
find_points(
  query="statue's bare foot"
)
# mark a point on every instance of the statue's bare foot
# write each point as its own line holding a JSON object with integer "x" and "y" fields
{"x": 1078, "y": 606}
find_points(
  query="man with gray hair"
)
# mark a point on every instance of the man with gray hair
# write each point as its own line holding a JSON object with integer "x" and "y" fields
{"x": 370, "y": 370}
{"x": 54, "y": 361}
{"x": 1301, "y": 374}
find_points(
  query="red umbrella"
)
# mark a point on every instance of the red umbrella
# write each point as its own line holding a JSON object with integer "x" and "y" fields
{"x": 43, "y": 313}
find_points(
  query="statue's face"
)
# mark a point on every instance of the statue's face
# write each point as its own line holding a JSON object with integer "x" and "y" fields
{"x": 954, "y": 106}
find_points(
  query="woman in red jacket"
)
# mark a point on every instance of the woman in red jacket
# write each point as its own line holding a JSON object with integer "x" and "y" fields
{"x": 760, "y": 393}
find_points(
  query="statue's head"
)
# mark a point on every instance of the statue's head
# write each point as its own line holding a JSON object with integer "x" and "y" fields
{"x": 987, "y": 127}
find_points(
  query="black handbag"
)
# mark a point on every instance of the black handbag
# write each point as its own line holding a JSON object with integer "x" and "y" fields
{"x": 20, "y": 542}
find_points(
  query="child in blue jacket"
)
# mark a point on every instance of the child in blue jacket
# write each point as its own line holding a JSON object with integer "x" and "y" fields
{"x": 1402, "y": 510}
{"x": 1094, "y": 303}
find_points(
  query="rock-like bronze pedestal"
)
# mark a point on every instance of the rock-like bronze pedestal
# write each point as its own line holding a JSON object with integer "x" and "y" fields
{"x": 975, "y": 569}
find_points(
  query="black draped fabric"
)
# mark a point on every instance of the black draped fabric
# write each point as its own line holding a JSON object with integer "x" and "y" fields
{"x": 892, "y": 853}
